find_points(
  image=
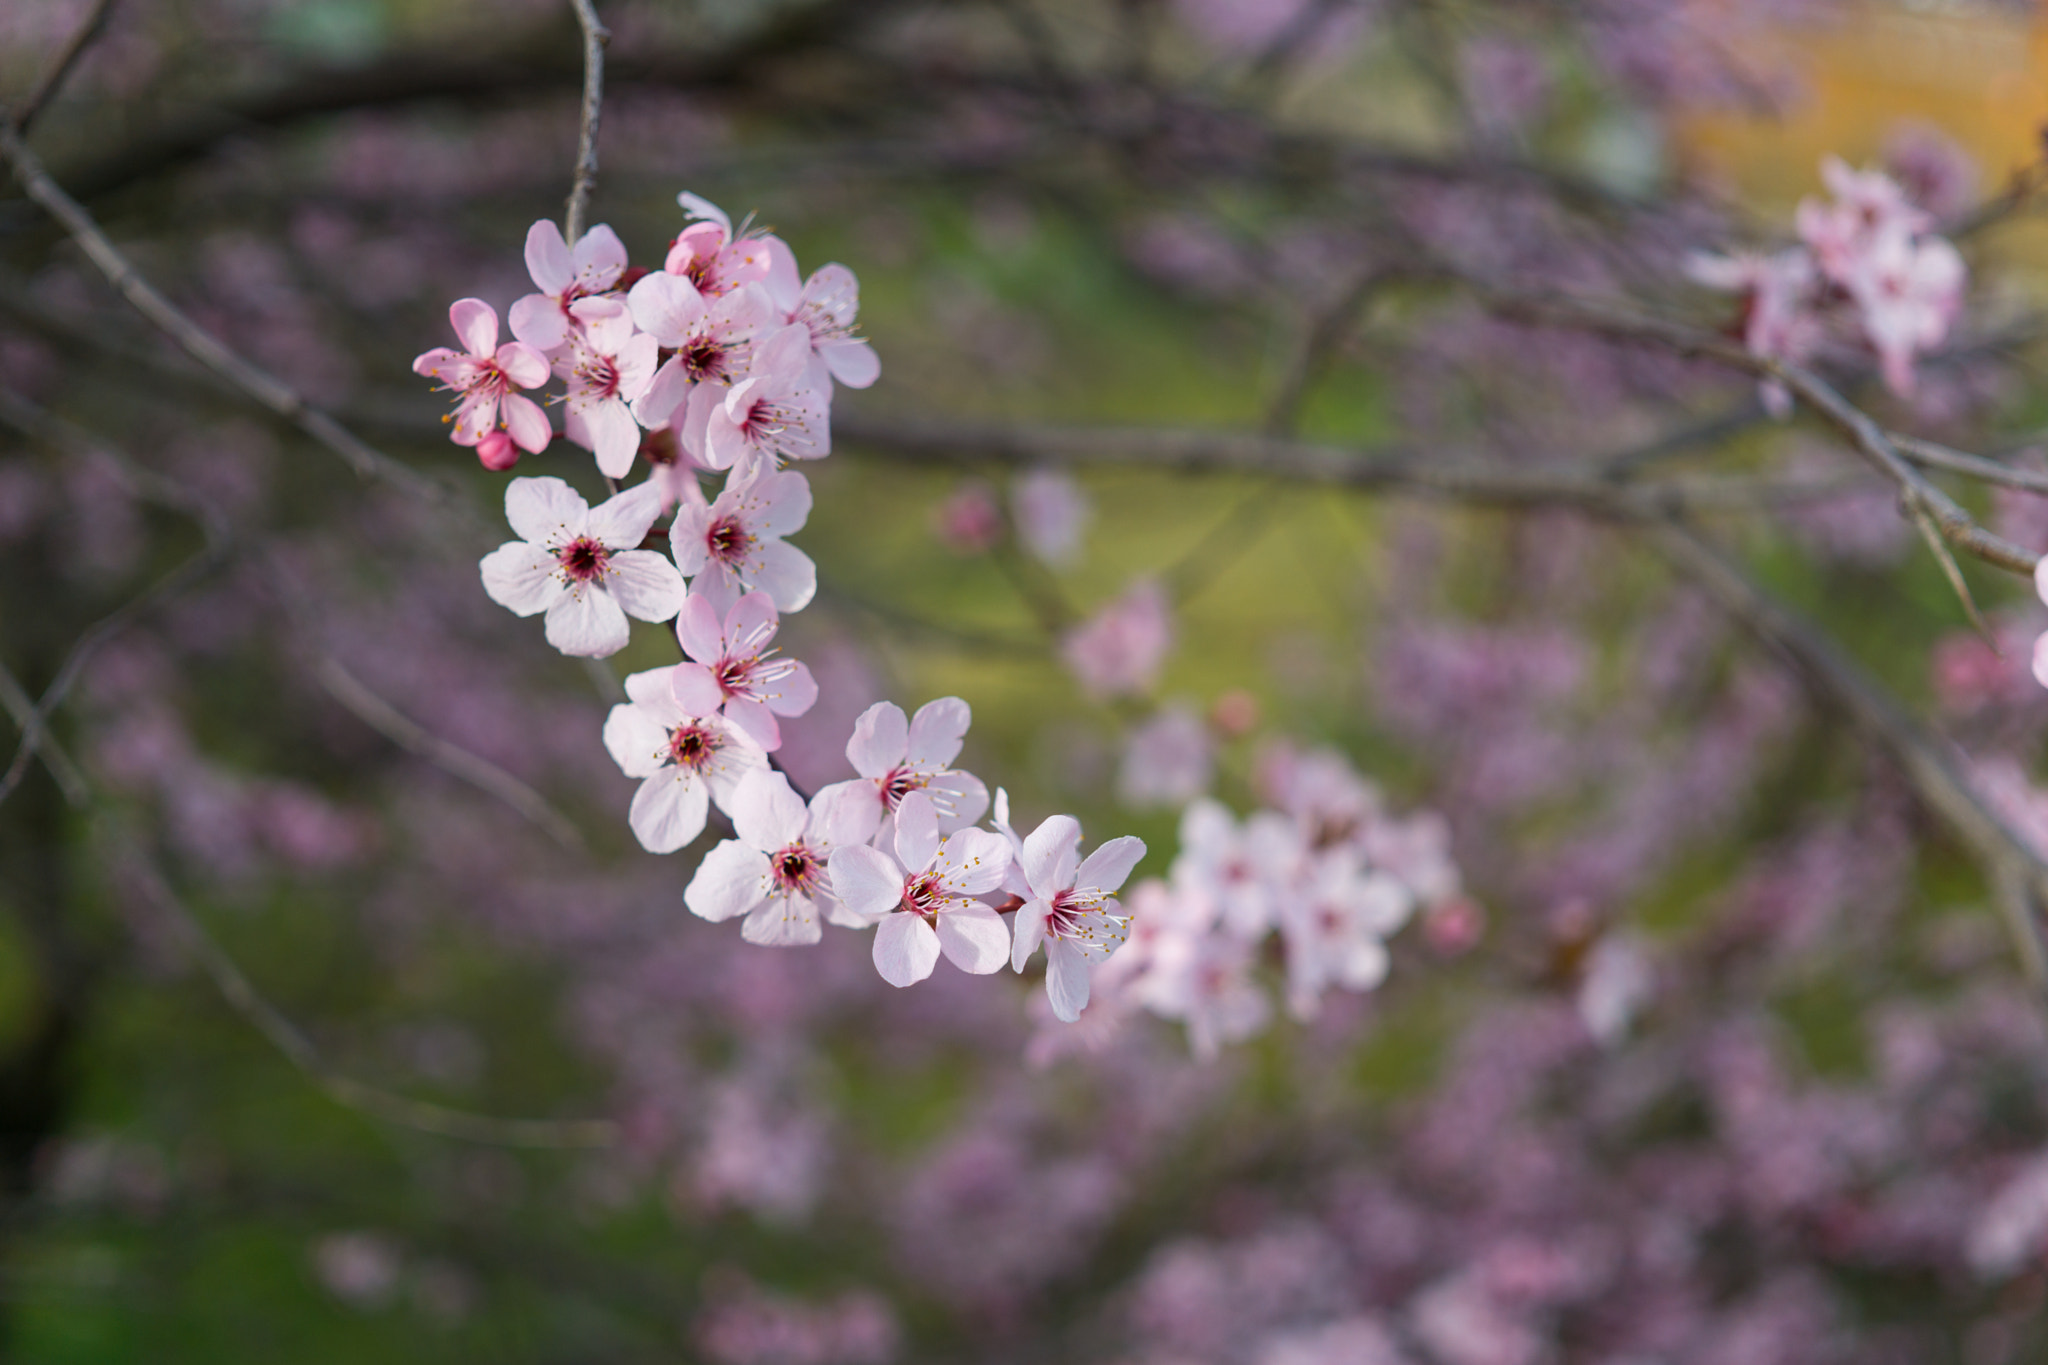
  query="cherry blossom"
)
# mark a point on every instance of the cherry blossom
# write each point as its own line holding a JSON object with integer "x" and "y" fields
{"x": 2041, "y": 644}
{"x": 608, "y": 364}
{"x": 1336, "y": 924}
{"x": 773, "y": 414}
{"x": 1909, "y": 292}
{"x": 1119, "y": 651}
{"x": 485, "y": 374}
{"x": 921, "y": 900}
{"x": 1051, "y": 512}
{"x": 1166, "y": 759}
{"x": 563, "y": 276}
{"x": 1780, "y": 317}
{"x": 1072, "y": 908}
{"x": 733, "y": 669}
{"x": 826, "y": 304}
{"x": 1206, "y": 982}
{"x": 735, "y": 546}
{"x": 685, "y": 762}
{"x": 774, "y": 873}
{"x": 582, "y": 565}
{"x": 900, "y": 758}
{"x": 712, "y": 340}
{"x": 709, "y": 256}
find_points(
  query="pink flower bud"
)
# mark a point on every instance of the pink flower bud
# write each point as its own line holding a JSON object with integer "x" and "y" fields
{"x": 496, "y": 451}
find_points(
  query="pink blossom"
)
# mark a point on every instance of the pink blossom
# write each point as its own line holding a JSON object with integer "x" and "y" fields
{"x": 1617, "y": 983}
{"x": 685, "y": 761}
{"x": 826, "y": 304}
{"x": 485, "y": 374}
{"x": 1909, "y": 291}
{"x": 543, "y": 320}
{"x": 1166, "y": 759}
{"x": 1119, "y": 651}
{"x": 922, "y": 899}
{"x": 968, "y": 521}
{"x": 735, "y": 545}
{"x": 1072, "y": 908}
{"x": 1867, "y": 205}
{"x": 774, "y": 873}
{"x": 1336, "y": 922}
{"x": 900, "y": 758}
{"x": 1780, "y": 321}
{"x": 709, "y": 256}
{"x": 581, "y": 565}
{"x": 732, "y": 668}
{"x": 712, "y": 340}
{"x": 1052, "y": 512}
{"x": 2041, "y": 645}
{"x": 608, "y": 364}
{"x": 771, "y": 415}
{"x": 1206, "y": 982}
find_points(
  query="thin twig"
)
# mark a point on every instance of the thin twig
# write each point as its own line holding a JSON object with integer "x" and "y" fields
{"x": 59, "y": 68}
{"x": 258, "y": 384}
{"x": 595, "y": 36}
{"x": 21, "y": 707}
{"x": 458, "y": 762}
{"x": 299, "y": 1050}
{"x": 1934, "y": 455}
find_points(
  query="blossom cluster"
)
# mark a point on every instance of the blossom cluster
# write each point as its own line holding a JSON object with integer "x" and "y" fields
{"x": 1324, "y": 869}
{"x": 722, "y": 363}
{"x": 1867, "y": 260}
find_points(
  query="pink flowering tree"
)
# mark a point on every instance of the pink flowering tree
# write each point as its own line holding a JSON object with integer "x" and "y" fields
{"x": 1047, "y": 701}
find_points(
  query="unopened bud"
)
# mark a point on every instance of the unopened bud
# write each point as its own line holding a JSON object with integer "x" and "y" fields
{"x": 496, "y": 452}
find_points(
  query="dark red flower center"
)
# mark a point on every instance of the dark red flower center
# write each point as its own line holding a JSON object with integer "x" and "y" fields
{"x": 900, "y": 783}
{"x": 583, "y": 559}
{"x": 922, "y": 894}
{"x": 692, "y": 746}
{"x": 795, "y": 868}
{"x": 728, "y": 540}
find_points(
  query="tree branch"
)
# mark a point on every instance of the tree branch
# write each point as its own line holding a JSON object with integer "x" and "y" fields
{"x": 54, "y": 75}
{"x": 595, "y": 36}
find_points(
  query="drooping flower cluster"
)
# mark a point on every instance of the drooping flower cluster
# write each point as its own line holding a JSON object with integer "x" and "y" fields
{"x": 722, "y": 363}
{"x": 1869, "y": 262}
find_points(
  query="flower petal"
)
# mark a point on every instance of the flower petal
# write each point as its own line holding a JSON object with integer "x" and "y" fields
{"x": 917, "y": 832}
{"x": 696, "y": 691}
{"x": 520, "y": 576}
{"x": 538, "y": 321}
{"x": 755, "y": 721}
{"x": 547, "y": 257}
{"x": 527, "y": 423}
{"x": 971, "y": 862}
{"x": 843, "y": 813}
{"x": 546, "y": 511}
{"x": 614, "y": 436}
{"x": 1051, "y": 853}
{"x": 731, "y": 880}
{"x": 645, "y": 584}
{"x": 1108, "y": 867}
{"x": 866, "y": 879}
{"x": 906, "y": 949}
{"x": 635, "y": 740}
{"x": 586, "y": 623}
{"x": 879, "y": 739}
{"x": 1027, "y": 931}
{"x": 937, "y": 732}
{"x": 668, "y": 810}
{"x": 786, "y": 574}
{"x": 974, "y": 938}
{"x": 766, "y": 812}
{"x": 476, "y": 323}
{"x": 1066, "y": 980}
{"x": 783, "y": 922}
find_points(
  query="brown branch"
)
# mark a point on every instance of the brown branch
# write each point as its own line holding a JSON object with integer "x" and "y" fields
{"x": 54, "y": 75}
{"x": 458, "y": 762}
{"x": 1934, "y": 455}
{"x": 21, "y": 708}
{"x": 258, "y": 384}
{"x": 440, "y": 1120}
{"x": 595, "y": 36}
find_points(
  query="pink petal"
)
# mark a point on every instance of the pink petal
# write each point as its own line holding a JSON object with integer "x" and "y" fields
{"x": 879, "y": 738}
{"x": 766, "y": 812}
{"x": 844, "y": 813}
{"x": 917, "y": 832}
{"x": 698, "y": 633}
{"x": 599, "y": 258}
{"x": 475, "y": 416}
{"x": 667, "y": 307}
{"x": 780, "y": 360}
{"x": 637, "y": 359}
{"x": 795, "y": 694}
{"x": 725, "y": 443}
{"x": 751, "y": 624}
{"x": 786, "y": 574}
{"x": 783, "y": 922}
{"x": 696, "y": 690}
{"x": 476, "y": 323}
{"x": 667, "y": 391}
{"x": 614, "y": 436}
{"x": 696, "y": 206}
{"x": 972, "y": 861}
{"x": 755, "y": 721}
{"x": 784, "y": 282}
{"x": 852, "y": 362}
{"x": 520, "y": 576}
{"x": 686, "y": 538}
{"x": 1051, "y": 853}
{"x": 1027, "y": 931}
{"x": 437, "y": 363}
{"x": 547, "y": 257}
{"x": 1066, "y": 980}
{"x": 586, "y": 623}
{"x": 527, "y": 422}
{"x": 731, "y": 880}
{"x": 522, "y": 364}
{"x": 961, "y": 799}
{"x": 645, "y": 584}
{"x": 865, "y": 879}
{"x": 974, "y": 938}
{"x": 906, "y": 949}
{"x": 538, "y": 321}
{"x": 653, "y": 690}
{"x": 668, "y": 811}
{"x": 635, "y": 740}
{"x": 2041, "y": 661}
{"x": 1109, "y": 866}
{"x": 937, "y": 732}
{"x": 545, "y": 511}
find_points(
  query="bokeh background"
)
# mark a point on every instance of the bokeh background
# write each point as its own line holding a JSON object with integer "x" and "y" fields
{"x": 1723, "y": 1059}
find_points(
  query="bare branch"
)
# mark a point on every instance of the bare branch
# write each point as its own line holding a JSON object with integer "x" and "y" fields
{"x": 21, "y": 707}
{"x": 59, "y": 68}
{"x": 1933, "y": 455}
{"x": 458, "y": 762}
{"x": 299, "y": 1050}
{"x": 595, "y": 36}
{"x": 258, "y": 384}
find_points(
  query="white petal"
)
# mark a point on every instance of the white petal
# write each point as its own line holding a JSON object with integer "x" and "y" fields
{"x": 1109, "y": 866}
{"x": 645, "y": 584}
{"x": 1051, "y": 853}
{"x": 866, "y": 879}
{"x": 545, "y": 511}
{"x": 917, "y": 832}
{"x": 1026, "y": 932}
{"x": 622, "y": 521}
{"x": 766, "y": 812}
{"x": 844, "y": 813}
{"x": 971, "y": 862}
{"x": 520, "y": 576}
{"x": 669, "y": 810}
{"x": 785, "y": 573}
{"x": 879, "y": 739}
{"x": 937, "y": 732}
{"x": 906, "y": 949}
{"x": 1066, "y": 980}
{"x": 974, "y": 938}
{"x": 635, "y": 740}
{"x": 585, "y": 623}
{"x": 731, "y": 880}
{"x": 783, "y": 922}
{"x": 614, "y": 436}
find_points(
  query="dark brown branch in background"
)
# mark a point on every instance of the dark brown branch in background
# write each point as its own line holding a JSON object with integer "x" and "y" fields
{"x": 257, "y": 383}
{"x": 59, "y": 68}
{"x": 595, "y": 36}
{"x": 300, "y": 1051}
